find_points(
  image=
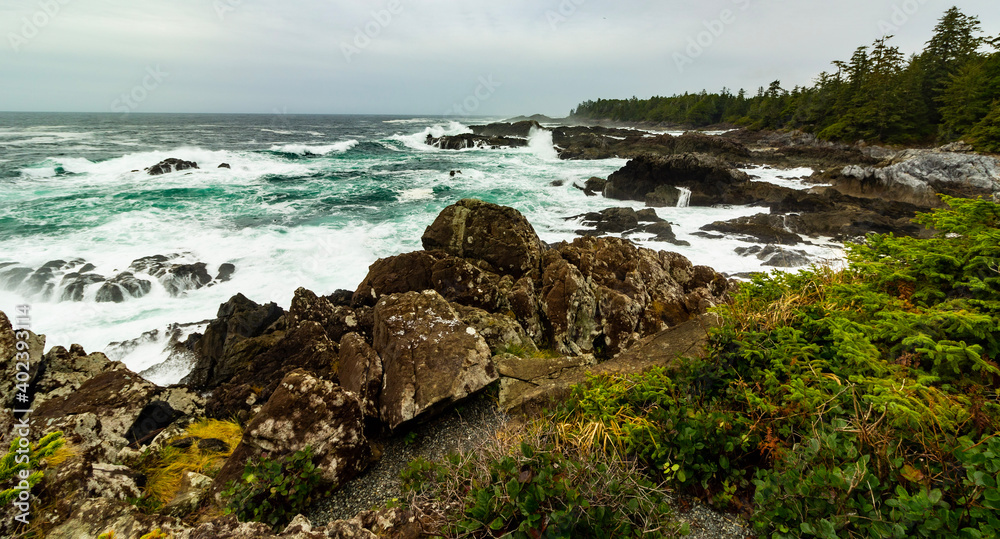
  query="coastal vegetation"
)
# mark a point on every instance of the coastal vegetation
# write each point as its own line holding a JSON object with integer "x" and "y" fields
{"x": 950, "y": 90}
{"x": 863, "y": 402}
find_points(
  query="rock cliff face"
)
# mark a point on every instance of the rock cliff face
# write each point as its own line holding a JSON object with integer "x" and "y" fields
{"x": 916, "y": 176}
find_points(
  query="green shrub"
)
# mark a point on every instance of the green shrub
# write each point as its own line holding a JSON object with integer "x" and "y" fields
{"x": 838, "y": 403}
{"x": 536, "y": 489}
{"x": 10, "y": 468}
{"x": 274, "y": 491}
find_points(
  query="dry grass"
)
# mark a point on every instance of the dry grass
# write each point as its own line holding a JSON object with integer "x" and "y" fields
{"x": 168, "y": 468}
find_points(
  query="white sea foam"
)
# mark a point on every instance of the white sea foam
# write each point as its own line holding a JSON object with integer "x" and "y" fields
{"x": 420, "y": 193}
{"x": 304, "y": 149}
{"x": 418, "y": 141}
{"x": 540, "y": 144}
{"x": 791, "y": 178}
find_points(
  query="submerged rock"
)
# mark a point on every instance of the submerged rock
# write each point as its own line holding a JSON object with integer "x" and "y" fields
{"x": 124, "y": 285}
{"x": 763, "y": 228}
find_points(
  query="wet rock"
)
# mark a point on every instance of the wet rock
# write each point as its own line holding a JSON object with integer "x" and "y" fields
{"x": 124, "y": 285}
{"x": 664, "y": 232}
{"x": 175, "y": 278}
{"x": 469, "y": 140}
{"x": 170, "y": 165}
{"x": 498, "y": 235}
{"x": 75, "y": 284}
{"x": 611, "y": 220}
{"x": 226, "y": 272}
{"x": 520, "y": 129}
{"x": 762, "y": 228}
{"x": 648, "y": 215}
{"x": 775, "y": 256}
{"x": 224, "y": 165}
{"x": 305, "y": 411}
{"x": 12, "y": 277}
{"x": 429, "y": 356}
{"x": 655, "y": 180}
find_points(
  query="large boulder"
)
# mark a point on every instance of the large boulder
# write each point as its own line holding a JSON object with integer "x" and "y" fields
{"x": 916, "y": 176}
{"x": 361, "y": 372}
{"x": 430, "y": 358}
{"x": 305, "y": 411}
{"x": 655, "y": 179}
{"x": 498, "y": 235}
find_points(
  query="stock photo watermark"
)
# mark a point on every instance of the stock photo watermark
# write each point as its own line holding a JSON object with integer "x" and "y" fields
{"x": 225, "y": 6}
{"x": 363, "y": 36}
{"x": 901, "y": 14}
{"x": 563, "y": 12}
{"x": 482, "y": 93}
{"x": 31, "y": 26}
{"x": 129, "y": 101}
{"x": 703, "y": 40}
{"x": 21, "y": 445}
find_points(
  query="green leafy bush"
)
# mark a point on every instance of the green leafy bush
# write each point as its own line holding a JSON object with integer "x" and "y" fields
{"x": 838, "y": 403}
{"x": 274, "y": 491}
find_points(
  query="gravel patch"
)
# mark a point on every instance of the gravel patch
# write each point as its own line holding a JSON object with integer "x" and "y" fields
{"x": 706, "y": 523}
{"x": 461, "y": 428}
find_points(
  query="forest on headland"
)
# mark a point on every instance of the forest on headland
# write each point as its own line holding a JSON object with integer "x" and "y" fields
{"x": 948, "y": 91}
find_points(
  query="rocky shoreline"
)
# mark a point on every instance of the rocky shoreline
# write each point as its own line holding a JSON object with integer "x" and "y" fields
{"x": 485, "y": 306}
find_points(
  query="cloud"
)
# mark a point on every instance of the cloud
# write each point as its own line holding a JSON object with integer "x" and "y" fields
{"x": 422, "y": 55}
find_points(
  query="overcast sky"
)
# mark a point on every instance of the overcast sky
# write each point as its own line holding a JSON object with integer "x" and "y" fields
{"x": 491, "y": 58}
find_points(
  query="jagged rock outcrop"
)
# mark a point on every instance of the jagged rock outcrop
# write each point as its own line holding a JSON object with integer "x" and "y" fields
{"x": 469, "y": 140}
{"x": 237, "y": 320}
{"x": 258, "y": 369}
{"x": 655, "y": 180}
{"x": 916, "y": 176}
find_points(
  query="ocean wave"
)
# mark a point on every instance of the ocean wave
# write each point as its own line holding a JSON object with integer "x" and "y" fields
{"x": 304, "y": 149}
{"x": 130, "y": 167}
{"x": 417, "y": 141}
{"x": 411, "y": 121}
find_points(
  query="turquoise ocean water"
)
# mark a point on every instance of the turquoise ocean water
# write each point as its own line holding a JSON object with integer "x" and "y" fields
{"x": 308, "y": 201}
